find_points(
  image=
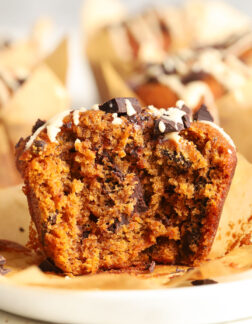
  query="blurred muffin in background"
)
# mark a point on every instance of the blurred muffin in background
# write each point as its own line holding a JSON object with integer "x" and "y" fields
{"x": 127, "y": 41}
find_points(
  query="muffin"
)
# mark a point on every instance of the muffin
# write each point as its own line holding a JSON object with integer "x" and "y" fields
{"x": 122, "y": 185}
{"x": 200, "y": 75}
{"x": 126, "y": 41}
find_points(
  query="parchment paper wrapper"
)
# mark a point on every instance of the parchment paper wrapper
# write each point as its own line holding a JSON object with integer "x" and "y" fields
{"x": 42, "y": 95}
{"x": 235, "y": 112}
{"x": 236, "y": 265}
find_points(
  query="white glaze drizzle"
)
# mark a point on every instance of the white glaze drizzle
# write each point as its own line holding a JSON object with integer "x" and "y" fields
{"x": 192, "y": 93}
{"x": 212, "y": 62}
{"x": 76, "y": 115}
{"x": 180, "y": 103}
{"x": 116, "y": 120}
{"x": 95, "y": 107}
{"x": 54, "y": 124}
{"x": 174, "y": 114}
{"x": 130, "y": 109}
{"x": 174, "y": 136}
{"x": 221, "y": 130}
{"x": 161, "y": 126}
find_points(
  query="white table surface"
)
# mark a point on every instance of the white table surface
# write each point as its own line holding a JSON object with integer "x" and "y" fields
{"x": 12, "y": 319}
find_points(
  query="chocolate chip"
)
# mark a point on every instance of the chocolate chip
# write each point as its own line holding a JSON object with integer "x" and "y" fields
{"x": 21, "y": 81}
{"x": 165, "y": 126}
{"x": 52, "y": 219}
{"x": 194, "y": 76}
{"x": 202, "y": 114}
{"x": 49, "y": 266}
{"x": 203, "y": 282}
{"x": 119, "y": 106}
{"x": 21, "y": 229}
{"x": 118, "y": 223}
{"x": 186, "y": 121}
{"x": 178, "y": 158}
{"x": 39, "y": 144}
{"x": 140, "y": 205}
{"x": 118, "y": 173}
{"x": 85, "y": 234}
{"x": 37, "y": 125}
{"x": 152, "y": 266}
{"x": 186, "y": 109}
{"x": 2, "y": 260}
{"x": 93, "y": 218}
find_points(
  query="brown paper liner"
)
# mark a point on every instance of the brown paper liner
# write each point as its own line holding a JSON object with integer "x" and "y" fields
{"x": 100, "y": 51}
{"x": 41, "y": 96}
{"x": 222, "y": 267}
{"x": 235, "y": 111}
{"x": 8, "y": 172}
{"x": 58, "y": 60}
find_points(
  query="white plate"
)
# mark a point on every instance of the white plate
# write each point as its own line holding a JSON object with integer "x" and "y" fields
{"x": 201, "y": 304}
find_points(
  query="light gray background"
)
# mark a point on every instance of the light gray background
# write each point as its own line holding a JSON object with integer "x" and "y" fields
{"x": 20, "y": 13}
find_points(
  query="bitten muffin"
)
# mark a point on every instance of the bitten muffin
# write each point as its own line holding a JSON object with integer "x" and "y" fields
{"x": 122, "y": 185}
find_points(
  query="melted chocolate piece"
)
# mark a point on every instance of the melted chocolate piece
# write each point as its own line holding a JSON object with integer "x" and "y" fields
{"x": 140, "y": 205}
{"x": 118, "y": 173}
{"x": 194, "y": 76}
{"x": 37, "y": 125}
{"x": 204, "y": 282}
{"x": 202, "y": 114}
{"x": 21, "y": 229}
{"x": 93, "y": 218}
{"x": 118, "y": 105}
{"x": 49, "y": 266}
